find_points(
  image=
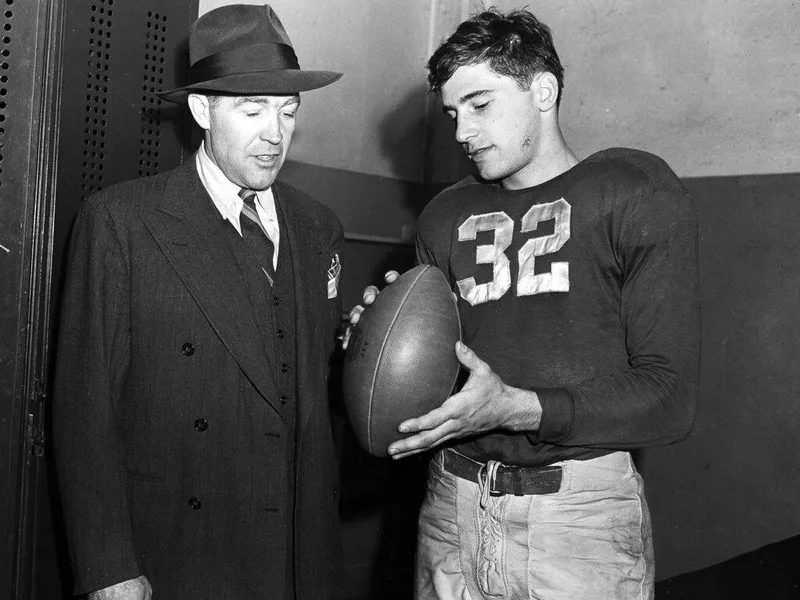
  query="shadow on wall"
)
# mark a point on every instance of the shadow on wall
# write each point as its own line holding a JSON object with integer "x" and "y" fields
{"x": 418, "y": 139}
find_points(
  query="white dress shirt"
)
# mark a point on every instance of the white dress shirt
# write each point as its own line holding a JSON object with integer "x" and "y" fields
{"x": 225, "y": 195}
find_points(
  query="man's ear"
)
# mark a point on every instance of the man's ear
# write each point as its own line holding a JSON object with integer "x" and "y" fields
{"x": 546, "y": 90}
{"x": 200, "y": 108}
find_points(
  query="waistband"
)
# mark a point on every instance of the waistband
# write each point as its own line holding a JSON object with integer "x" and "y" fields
{"x": 503, "y": 479}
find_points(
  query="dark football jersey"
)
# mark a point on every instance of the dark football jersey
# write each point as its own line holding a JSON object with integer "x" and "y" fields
{"x": 583, "y": 289}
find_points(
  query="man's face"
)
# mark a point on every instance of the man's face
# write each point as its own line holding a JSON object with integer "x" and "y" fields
{"x": 496, "y": 122}
{"x": 247, "y": 137}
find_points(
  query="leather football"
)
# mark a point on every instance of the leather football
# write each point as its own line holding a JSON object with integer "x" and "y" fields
{"x": 400, "y": 361}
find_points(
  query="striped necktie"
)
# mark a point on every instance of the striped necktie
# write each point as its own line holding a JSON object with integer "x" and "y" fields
{"x": 255, "y": 235}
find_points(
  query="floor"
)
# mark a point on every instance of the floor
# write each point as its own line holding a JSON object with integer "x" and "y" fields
{"x": 769, "y": 573}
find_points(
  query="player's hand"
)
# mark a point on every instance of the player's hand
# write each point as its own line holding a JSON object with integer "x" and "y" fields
{"x": 132, "y": 589}
{"x": 484, "y": 403}
{"x": 368, "y": 297}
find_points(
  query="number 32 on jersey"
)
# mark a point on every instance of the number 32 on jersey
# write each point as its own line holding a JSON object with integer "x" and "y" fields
{"x": 528, "y": 282}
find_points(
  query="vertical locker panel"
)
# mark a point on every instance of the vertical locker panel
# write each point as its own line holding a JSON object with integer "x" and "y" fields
{"x": 117, "y": 53}
{"x": 28, "y": 80}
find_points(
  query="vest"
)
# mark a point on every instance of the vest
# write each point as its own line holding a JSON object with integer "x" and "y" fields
{"x": 274, "y": 309}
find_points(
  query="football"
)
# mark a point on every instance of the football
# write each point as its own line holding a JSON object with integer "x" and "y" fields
{"x": 400, "y": 360}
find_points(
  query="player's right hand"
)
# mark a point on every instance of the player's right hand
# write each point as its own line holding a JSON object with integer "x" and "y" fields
{"x": 368, "y": 297}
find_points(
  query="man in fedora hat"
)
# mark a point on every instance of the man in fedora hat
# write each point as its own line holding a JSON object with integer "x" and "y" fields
{"x": 192, "y": 434}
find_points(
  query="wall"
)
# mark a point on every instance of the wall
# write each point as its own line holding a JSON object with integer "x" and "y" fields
{"x": 733, "y": 485}
{"x": 712, "y": 87}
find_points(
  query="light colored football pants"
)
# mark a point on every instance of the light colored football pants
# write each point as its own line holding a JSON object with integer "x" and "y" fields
{"x": 591, "y": 540}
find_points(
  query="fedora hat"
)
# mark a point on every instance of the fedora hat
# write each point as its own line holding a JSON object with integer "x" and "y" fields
{"x": 244, "y": 49}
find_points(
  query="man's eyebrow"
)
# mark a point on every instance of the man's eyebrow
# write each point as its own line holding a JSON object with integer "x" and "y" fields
{"x": 467, "y": 98}
{"x": 265, "y": 100}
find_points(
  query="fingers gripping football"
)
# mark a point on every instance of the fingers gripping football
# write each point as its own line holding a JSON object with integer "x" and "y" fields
{"x": 484, "y": 403}
{"x": 367, "y": 297}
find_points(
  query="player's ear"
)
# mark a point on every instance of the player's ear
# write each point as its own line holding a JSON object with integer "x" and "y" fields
{"x": 200, "y": 108}
{"x": 546, "y": 90}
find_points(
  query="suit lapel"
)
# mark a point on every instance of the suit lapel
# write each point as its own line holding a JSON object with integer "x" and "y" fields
{"x": 184, "y": 227}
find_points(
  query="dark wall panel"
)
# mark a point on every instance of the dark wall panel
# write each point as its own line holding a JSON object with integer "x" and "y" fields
{"x": 733, "y": 485}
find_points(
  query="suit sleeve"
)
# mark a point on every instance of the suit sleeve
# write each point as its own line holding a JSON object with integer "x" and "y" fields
{"x": 91, "y": 368}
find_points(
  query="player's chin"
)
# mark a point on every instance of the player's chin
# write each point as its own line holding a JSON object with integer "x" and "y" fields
{"x": 489, "y": 172}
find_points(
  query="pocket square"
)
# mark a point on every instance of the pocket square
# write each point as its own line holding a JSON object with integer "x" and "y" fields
{"x": 334, "y": 272}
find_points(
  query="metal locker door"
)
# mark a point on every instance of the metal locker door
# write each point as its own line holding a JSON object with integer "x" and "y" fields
{"x": 29, "y": 38}
{"x": 116, "y": 54}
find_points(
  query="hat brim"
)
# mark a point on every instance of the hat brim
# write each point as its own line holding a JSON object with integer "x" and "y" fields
{"x": 267, "y": 83}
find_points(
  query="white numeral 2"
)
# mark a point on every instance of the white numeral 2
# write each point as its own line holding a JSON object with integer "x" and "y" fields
{"x": 528, "y": 282}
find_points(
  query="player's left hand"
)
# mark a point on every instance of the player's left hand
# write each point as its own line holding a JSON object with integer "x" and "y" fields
{"x": 368, "y": 296}
{"x": 483, "y": 404}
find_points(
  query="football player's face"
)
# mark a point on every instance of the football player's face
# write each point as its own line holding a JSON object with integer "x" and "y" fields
{"x": 496, "y": 122}
{"x": 247, "y": 137}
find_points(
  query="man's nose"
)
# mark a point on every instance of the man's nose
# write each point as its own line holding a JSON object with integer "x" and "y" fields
{"x": 465, "y": 130}
{"x": 271, "y": 130}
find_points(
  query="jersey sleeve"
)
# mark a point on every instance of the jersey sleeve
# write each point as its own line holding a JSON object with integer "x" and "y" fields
{"x": 653, "y": 401}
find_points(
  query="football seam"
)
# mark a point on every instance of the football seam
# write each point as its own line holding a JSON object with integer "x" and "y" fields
{"x": 460, "y": 331}
{"x": 380, "y": 356}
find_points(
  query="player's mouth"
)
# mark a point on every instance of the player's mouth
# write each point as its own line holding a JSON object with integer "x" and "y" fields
{"x": 476, "y": 154}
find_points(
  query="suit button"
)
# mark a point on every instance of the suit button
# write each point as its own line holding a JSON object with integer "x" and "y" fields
{"x": 276, "y": 301}
{"x": 201, "y": 425}
{"x": 281, "y": 333}
{"x": 195, "y": 503}
{"x": 284, "y": 399}
{"x": 187, "y": 349}
{"x": 284, "y": 368}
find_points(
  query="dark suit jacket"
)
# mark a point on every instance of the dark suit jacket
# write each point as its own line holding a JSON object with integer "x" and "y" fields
{"x": 158, "y": 333}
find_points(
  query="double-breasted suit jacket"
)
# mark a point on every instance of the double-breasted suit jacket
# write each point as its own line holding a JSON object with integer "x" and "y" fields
{"x": 173, "y": 452}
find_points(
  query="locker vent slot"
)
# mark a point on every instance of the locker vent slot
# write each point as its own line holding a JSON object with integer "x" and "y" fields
{"x": 98, "y": 76}
{"x": 5, "y": 64}
{"x": 155, "y": 51}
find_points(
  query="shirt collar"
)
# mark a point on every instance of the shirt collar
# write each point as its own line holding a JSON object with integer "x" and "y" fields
{"x": 222, "y": 190}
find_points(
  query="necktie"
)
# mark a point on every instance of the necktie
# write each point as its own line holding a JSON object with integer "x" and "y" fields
{"x": 255, "y": 235}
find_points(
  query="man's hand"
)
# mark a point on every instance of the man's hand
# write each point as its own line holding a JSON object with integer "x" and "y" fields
{"x": 132, "y": 589}
{"x": 368, "y": 297}
{"x": 483, "y": 404}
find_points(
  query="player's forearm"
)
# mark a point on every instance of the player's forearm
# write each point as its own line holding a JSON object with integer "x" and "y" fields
{"x": 640, "y": 407}
{"x": 525, "y": 412}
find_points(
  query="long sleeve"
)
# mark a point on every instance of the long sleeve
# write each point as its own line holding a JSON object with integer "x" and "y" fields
{"x": 92, "y": 362}
{"x": 653, "y": 401}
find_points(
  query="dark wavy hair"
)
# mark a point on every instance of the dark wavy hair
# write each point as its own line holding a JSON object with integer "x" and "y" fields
{"x": 515, "y": 45}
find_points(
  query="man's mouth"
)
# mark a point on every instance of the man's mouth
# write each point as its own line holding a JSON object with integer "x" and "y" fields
{"x": 267, "y": 159}
{"x": 477, "y": 153}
